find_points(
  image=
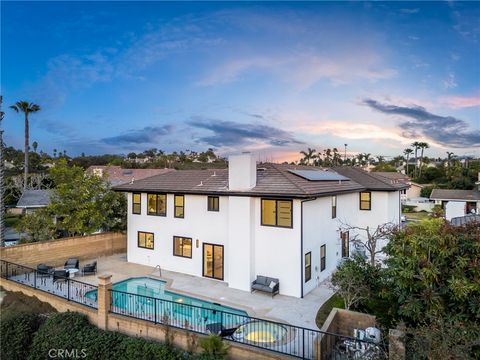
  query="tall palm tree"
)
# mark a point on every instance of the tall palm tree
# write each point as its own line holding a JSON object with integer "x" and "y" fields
{"x": 416, "y": 146}
{"x": 423, "y": 146}
{"x": 407, "y": 153}
{"x": 35, "y": 146}
{"x": 26, "y": 108}
{"x": 308, "y": 155}
{"x": 2, "y": 187}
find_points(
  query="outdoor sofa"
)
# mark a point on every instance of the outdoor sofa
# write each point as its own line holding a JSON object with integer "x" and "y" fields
{"x": 266, "y": 284}
{"x": 44, "y": 270}
{"x": 72, "y": 263}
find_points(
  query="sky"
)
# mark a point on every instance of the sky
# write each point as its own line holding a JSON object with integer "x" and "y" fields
{"x": 270, "y": 78}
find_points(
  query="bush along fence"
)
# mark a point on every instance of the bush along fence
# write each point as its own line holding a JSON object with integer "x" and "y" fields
{"x": 61, "y": 286}
{"x": 268, "y": 335}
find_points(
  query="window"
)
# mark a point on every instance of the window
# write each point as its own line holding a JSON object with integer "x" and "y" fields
{"x": 308, "y": 266}
{"x": 182, "y": 246}
{"x": 145, "y": 240}
{"x": 277, "y": 213}
{"x": 365, "y": 200}
{"x": 345, "y": 236}
{"x": 179, "y": 206}
{"x": 334, "y": 207}
{"x": 157, "y": 204}
{"x": 137, "y": 203}
{"x": 213, "y": 203}
{"x": 323, "y": 257}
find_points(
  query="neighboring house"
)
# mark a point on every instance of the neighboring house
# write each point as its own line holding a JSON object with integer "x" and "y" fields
{"x": 457, "y": 203}
{"x": 414, "y": 189}
{"x": 117, "y": 175}
{"x": 32, "y": 200}
{"x": 281, "y": 221}
{"x": 467, "y": 219}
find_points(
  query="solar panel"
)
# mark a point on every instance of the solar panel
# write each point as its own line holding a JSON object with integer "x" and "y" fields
{"x": 319, "y": 175}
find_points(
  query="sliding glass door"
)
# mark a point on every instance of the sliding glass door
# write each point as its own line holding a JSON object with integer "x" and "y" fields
{"x": 213, "y": 261}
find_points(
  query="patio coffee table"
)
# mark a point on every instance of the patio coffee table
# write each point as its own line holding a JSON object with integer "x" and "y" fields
{"x": 72, "y": 272}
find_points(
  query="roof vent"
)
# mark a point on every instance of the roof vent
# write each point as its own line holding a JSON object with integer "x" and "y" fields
{"x": 214, "y": 173}
{"x": 201, "y": 183}
{"x": 261, "y": 169}
{"x": 131, "y": 181}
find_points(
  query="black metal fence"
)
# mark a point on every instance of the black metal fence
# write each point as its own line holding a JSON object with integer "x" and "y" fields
{"x": 265, "y": 334}
{"x": 64, "y": 287}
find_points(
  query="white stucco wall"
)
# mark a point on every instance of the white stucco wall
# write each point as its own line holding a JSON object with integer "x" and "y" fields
{"x": 454, "y": 209}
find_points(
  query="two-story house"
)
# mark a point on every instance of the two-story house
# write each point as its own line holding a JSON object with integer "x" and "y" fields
{"x": 233, "y": 224}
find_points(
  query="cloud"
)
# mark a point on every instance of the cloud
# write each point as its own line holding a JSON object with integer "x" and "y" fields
{"x": 229, "y": 133}
{"x": 410, "y": 11}
{"x": 147, "y": 135}
{"x": 450, "y": 81}
{"x": 458, "y": 102}
{"x": 448, "y": 131}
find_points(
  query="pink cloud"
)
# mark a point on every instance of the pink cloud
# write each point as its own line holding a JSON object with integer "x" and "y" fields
{"x": 457, "y": 102}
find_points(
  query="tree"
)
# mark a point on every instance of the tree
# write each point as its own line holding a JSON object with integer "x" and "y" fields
{"x": 407, "y": 153}
{"x": 83, "y": 203}
{"x": 308, "y": 155}
{"x": 2, "y": 180}
{"x": 35, "y": 146}
{"x": 26, "y": 108}
{"x": 416, "y": 146}
{"x": 38, "y": 226}
{"x": 368, "y": 238}
{"x": 349, "y": 281}
{"x": 423, "y": 146}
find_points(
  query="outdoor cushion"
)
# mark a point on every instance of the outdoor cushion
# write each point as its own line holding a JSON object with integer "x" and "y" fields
{"x": 272, "y": 284}
{"x": 261, "y": 280}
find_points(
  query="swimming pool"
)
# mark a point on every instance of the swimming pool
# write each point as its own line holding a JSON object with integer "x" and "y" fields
{"x": 175, "y": 308}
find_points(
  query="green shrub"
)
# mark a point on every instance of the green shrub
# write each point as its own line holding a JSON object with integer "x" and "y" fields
{"x": 16, "y": 332}
{"x": 408, "y": 208}
{"x": 213, "y": 347}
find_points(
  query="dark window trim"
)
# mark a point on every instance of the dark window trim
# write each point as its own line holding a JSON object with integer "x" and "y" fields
{"x": 323, "y": 264}
{"x": 138, "y": 240}
{"x": 276, "y": 212}
{"x": 208, "y": 203}
{"x": 309, "y": 267}
{"x": 133, "y": 203}
{"x": 223, "y": 261}
{"x": 191, "y": 244}
{"x": 369, "y": 202}
{"x": 157, "y": 195}
{"x": 175, "y": 206}
{"x": 334, "y": 207}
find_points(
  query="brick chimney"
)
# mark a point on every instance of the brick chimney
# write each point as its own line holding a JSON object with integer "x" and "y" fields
{"x": 242, "y": 172}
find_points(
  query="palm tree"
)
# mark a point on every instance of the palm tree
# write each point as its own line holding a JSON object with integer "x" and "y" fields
{"x": 2, "y": 187}
{"x": 407, "y": 153}
{"x": 54, "y": 153}
{"x": 308, "y": 155}
{"x": 416, "y": 146}
{"x": 35, "y": 146}
{"x": 26, "y": 108}
{"x": 423, "y": 146}
{"x": 449, "y": 163}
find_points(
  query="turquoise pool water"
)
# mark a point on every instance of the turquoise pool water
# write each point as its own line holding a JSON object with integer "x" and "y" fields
{"x": 169, "y": 306}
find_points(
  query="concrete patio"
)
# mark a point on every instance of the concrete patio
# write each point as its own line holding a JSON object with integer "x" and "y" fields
{"x": 294, "y": 311}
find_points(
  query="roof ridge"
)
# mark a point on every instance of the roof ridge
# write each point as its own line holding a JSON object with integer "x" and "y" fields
{"x": 378, "y": 177}
{"x": 286, "y": 177}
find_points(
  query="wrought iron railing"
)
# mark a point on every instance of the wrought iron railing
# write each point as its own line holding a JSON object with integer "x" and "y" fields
{"x": 265, "y": 334}
{"x": 64, "y": 287}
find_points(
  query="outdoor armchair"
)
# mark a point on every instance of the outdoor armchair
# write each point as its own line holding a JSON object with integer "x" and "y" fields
{"x": 90, "y": 268}
{"x": 72, "y": 263}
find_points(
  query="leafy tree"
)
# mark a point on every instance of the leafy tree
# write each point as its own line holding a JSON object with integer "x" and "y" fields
{"x": 38, "y": 226}
{"x": 16, "y": 332}
{"x": 27, "y": 108}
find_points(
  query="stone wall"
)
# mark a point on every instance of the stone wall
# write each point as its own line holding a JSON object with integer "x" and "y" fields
{"x": 56, "y": 252}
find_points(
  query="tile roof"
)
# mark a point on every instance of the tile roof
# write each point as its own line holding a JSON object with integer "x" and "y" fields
{"x": 272, "y": 180}
{"x": 117, "y": 175}
{"x": 34, "y": 198}
{"x": 370, "y": 180}
{"x": 393, "y": 175}
{"x": 454, "y": 194}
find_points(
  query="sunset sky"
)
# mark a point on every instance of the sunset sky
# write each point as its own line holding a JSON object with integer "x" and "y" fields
{"x": 273, "y": 78}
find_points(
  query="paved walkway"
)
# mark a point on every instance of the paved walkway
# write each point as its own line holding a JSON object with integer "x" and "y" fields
{"x": 300, "y": 312}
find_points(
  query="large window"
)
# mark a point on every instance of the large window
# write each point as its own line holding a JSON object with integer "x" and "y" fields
{"x": 323, "y": 257}
{"x": 213, "y": 203}
{"x": 345, "y": 235}
{"x": 182, "y": 246}
{"x": 277, "y": 213}
{"x": 334, "y": 206}
{"x": 308, "y": 266}
{"x": 157, "y": 204}
{"x": 145, "y": 240}
{"x": 179, "y": 206}
{"x": 137, "y": 203}
{"x": 365, "y": 200}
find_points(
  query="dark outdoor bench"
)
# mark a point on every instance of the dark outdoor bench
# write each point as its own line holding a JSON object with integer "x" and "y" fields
{"x": 266, "y": 284}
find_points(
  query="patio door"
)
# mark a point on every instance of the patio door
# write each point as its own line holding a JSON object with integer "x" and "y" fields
{"x": 213, "y": 261}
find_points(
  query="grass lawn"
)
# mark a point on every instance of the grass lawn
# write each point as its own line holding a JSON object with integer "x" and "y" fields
{"x": 417, "y": 215}
{"x": 324, "y": 311}
{"x": 12, "y": 220}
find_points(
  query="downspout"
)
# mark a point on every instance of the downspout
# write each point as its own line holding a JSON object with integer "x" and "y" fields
{"x": 301, "y": 244}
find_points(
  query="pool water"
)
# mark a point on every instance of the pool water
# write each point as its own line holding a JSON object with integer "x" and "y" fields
{"x": 175, "y": 309}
